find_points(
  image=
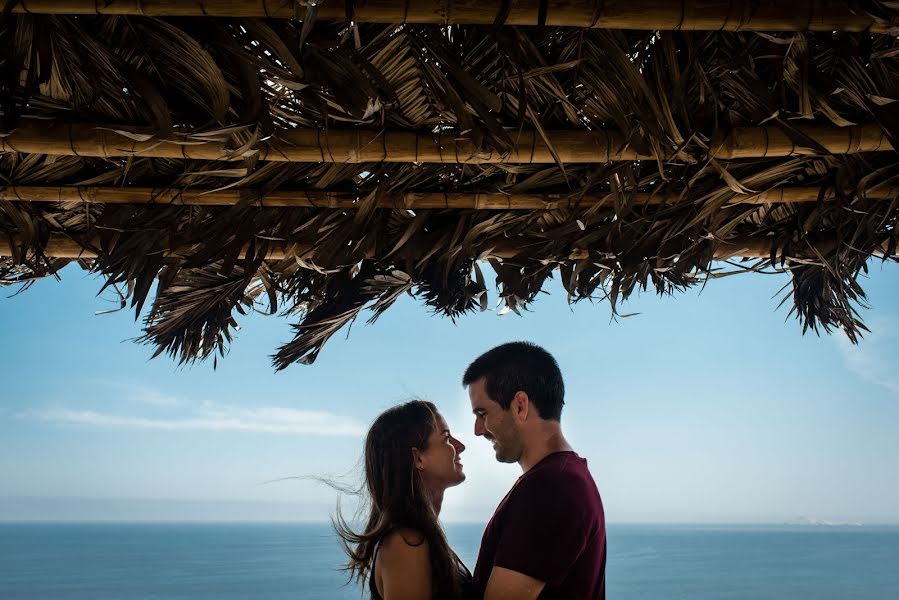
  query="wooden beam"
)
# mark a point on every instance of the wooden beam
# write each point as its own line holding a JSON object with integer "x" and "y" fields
{"x": 361, "y": 146}
{"x": 61, "y": 246}
{"x": 711, "y": 15}
{"x": 407, "y": 200}
{"x": 317, "y": 146}
{"x": 763, "y": 142}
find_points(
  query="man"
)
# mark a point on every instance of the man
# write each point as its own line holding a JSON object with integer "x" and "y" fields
{"x": 547, "y": 538}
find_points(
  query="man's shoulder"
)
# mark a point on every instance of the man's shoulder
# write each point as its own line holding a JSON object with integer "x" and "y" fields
{"x": 565, "y": 469}
{"x": 563, "y": 486}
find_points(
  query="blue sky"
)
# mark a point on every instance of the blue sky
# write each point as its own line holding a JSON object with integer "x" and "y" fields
{"x": 705, "y": 407}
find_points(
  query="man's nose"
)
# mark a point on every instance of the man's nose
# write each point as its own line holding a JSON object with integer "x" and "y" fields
{"x": 478, "y": 427}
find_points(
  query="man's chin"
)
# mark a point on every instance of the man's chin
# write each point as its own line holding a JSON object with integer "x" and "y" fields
{"x": 503, "y": 458}
{"x": 501, "y": 454}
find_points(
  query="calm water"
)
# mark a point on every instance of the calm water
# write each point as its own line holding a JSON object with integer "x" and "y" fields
{"x": 222, "y": 561}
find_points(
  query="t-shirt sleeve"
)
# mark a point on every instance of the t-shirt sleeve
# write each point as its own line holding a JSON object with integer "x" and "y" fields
{"x": 545, "y": 531}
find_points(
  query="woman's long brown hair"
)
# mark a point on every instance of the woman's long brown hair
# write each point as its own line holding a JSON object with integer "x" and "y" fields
{"x": 397, "y": 497}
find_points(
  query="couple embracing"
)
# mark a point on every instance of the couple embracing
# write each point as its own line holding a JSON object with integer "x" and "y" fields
{"x": 547, "y": 537}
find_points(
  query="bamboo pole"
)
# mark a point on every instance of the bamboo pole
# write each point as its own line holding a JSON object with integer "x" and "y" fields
{"x": 317, "y": 145}
{"x": 406, "y": 200}
{"x": 61, "y": 246}
{"x": 763, "y": 142}
{"x": 815, "y": 15}
{"x": 360, "y": 146}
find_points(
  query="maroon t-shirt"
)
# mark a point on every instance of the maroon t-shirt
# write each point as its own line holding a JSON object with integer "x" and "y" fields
{"x": 551, "y": 527}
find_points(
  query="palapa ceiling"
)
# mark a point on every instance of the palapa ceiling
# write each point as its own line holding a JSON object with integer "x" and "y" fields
{"x": 318, "y": 161}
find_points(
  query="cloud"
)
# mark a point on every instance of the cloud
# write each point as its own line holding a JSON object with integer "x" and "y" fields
{"x": 216, "y": 418}
{"x": 872, "y": 358}
{"x": 137, "y": 392}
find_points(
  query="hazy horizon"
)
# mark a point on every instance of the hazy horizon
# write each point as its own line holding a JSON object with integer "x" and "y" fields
{"x": 73, "y": 509}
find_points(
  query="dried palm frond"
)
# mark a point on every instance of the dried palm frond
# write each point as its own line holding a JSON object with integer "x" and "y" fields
{"x": 241, "y": 162}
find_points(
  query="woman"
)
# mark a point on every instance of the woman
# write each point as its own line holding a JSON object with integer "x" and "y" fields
{"x": 410, "y": 460}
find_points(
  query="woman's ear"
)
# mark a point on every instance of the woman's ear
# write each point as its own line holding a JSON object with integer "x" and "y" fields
{"x": 417, "y": 459}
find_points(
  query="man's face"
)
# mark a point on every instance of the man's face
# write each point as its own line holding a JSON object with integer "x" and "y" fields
{"x": 495, "y": 424}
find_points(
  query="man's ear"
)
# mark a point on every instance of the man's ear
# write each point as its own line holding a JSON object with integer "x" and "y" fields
{"x": 521, "y": 406}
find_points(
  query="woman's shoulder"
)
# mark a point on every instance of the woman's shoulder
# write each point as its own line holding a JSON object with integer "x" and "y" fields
{"x": 403, "y": 564}
{"x": 403, "y": 542}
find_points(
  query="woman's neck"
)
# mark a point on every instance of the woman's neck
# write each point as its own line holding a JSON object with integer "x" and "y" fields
{"x": 436, "y": 497}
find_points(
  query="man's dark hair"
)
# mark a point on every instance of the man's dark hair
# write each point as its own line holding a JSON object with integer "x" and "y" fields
{"x": 520, "y": 367}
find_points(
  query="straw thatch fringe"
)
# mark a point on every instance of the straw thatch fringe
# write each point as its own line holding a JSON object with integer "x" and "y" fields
{"x": 815, "y": 15}
{"x": 408, "y": 200}
{"x": 431, "y": 254}
{"x": 783, "y": 140}
{"x": 356, "y": 146}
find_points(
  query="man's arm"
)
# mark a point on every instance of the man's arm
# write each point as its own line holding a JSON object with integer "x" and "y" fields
{"x": 506, "y": 584}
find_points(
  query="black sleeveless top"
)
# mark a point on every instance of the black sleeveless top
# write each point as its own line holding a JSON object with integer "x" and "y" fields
{"x": 466, "y": 585}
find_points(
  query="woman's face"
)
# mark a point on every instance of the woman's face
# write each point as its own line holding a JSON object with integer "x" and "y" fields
{"x": 439, "y": 465}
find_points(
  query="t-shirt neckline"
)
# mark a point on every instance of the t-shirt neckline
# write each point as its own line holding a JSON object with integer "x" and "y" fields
{"x": 546, "y": 458}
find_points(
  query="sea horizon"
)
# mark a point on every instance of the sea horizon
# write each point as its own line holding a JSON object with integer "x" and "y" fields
{"x": 452, "y": 521}
{"x": 91, "y": 509}
{"x": 77, "y": 560}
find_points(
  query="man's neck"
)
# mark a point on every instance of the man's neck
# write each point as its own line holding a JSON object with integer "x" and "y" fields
{"x": 547, "y": 442}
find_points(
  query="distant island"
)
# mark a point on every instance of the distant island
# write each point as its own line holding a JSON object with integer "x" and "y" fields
{"x": 806, "y": 521}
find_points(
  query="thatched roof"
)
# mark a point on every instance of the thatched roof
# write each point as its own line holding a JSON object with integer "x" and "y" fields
{"x": 322, "y": 160}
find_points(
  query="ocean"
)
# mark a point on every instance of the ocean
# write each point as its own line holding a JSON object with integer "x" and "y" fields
{"x": 125, "y": 561}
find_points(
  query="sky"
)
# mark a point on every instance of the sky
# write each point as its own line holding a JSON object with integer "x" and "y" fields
{"x": 705, "y": 407}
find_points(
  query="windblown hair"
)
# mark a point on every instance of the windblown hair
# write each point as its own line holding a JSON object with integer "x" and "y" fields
{"x": 397, "y": 497}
